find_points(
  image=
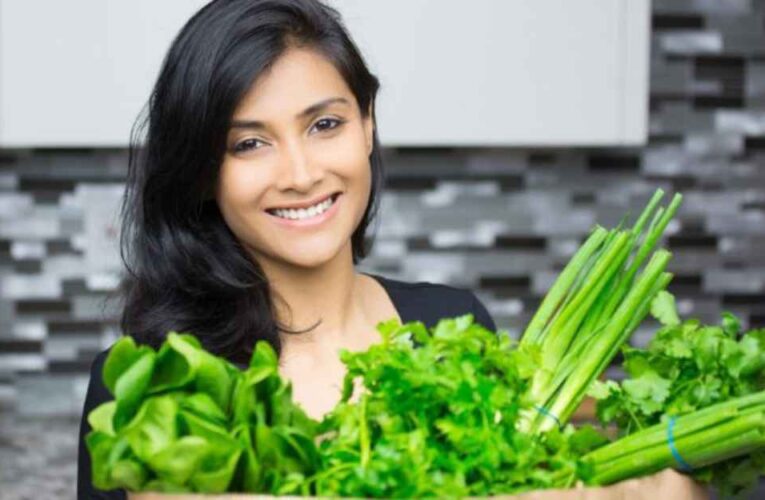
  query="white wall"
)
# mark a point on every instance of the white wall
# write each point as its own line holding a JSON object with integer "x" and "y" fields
{"x": 77, "y": 72}
{"x": 478, "y": 73}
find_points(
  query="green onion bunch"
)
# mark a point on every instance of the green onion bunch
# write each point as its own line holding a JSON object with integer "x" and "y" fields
{"x": 597, "y": 301}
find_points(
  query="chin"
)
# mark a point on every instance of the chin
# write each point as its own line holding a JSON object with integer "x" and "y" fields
{"x": 311, "y": 256}
{"x": 307, "y": 262}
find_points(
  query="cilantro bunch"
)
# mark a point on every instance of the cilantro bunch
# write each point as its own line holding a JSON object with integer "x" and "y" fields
{"x": 686, "y": 366}
{"x": 435, "y": 412}
{"x": 708, "y": 382}
{"x": 184, "y": 420}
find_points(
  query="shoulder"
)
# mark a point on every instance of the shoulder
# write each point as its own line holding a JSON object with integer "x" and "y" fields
{"x": 428, "y": 302}
{"x": 97, "y": 391}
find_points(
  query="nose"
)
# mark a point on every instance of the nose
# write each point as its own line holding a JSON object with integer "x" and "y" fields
{"x": 297, "y": 171}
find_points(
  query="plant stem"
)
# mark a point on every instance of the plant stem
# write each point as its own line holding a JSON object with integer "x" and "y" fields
{"x": 561, "y": 285}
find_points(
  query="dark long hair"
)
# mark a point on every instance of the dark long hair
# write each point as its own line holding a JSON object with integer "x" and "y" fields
{"x": 185, "y": 269}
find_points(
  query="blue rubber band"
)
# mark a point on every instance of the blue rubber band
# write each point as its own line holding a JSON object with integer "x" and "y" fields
{"x": 545, "y": 412}
{"x": 685, "y": 466}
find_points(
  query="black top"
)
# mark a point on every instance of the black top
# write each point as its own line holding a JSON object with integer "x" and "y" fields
{"x": 422, "y": 301}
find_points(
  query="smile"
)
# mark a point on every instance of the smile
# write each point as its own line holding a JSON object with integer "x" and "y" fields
{"x": 310, "y": 215}
{"x": 304, "y": 213}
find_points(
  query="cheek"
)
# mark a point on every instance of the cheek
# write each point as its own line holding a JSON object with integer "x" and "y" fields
{"x": 239, "y": 189}
{"x": 348, "y": 158}
{"x": 239, "y": 182}
{"x": 357, "y": 171}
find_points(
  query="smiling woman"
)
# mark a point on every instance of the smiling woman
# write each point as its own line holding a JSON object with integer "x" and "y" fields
{"x": 251, "y": 185}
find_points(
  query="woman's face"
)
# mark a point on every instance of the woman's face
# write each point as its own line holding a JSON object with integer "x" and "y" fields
{"x": 295, "y": 180}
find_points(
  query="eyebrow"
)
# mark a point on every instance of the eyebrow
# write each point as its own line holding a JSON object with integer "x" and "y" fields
{"x": 310, "y": 110}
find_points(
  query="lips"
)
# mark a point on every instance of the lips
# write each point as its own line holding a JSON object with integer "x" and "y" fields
{"x": 304, "y": 204}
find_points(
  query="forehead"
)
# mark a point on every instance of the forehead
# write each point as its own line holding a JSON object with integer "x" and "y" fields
{"x": 299, "y": 78}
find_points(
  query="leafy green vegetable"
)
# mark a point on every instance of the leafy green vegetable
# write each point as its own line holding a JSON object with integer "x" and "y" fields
{"x": 436, "y": 415}
{"x": 687, "y": 368}
{"x": 723, "y": 443}
{"x": 663, "y": 309}
{"x": 184, "y": 420}
{"x": 594, "y": 306}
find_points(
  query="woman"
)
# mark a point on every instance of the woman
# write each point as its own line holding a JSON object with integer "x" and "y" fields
{"x": 247, "y": 206}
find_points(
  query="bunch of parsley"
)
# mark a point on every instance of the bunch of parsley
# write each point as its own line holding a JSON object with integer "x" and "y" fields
{"x": 436, "y": 415}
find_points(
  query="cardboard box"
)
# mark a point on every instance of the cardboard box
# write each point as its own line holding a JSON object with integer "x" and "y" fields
{"x": 665, "y": 484}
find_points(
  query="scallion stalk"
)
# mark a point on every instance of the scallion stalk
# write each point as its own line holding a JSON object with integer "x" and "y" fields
{"x": 592, "y": 309}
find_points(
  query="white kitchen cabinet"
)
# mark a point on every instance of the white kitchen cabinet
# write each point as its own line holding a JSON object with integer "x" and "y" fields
{"x": 453, "y": 73}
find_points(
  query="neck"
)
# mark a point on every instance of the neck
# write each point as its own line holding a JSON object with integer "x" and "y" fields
{"x": 325, "y": 300}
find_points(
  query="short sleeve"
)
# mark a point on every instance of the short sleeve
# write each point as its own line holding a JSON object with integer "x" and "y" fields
{"x": 481, "y": 315}
{"x": 97, "y": 394}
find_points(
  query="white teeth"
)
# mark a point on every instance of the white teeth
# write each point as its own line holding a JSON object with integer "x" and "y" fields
{"x": 304, "y": 213}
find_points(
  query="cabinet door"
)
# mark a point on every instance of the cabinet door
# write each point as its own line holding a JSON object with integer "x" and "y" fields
{"x": 453, "y": 73}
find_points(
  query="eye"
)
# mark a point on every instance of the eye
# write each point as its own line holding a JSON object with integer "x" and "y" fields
{"x": 325, "y": 124}
{"x": 246, "y": 145}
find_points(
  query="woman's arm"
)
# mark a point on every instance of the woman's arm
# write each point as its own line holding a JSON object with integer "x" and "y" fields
{"x": 97, "y": 394}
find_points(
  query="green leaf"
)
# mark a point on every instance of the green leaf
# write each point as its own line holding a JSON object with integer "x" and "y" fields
{"x": 121, "y": 356}
{"x": 183, "y": 363}
{"x": 664, "y": 310}
{"x": 707, "y": 345}
{"x": 100, "y": 445}
{"x": 101, "y": 417}
{"x": 586, "y": 439}
{"x": 601, "y": 390}
{"x": 199, "y": 426}
{"x": 245, "y": 391}
{"x": 154, "y": 428}
{"x": 266, "y": 445}
{"x": 611, "y": 408}
{"x": 129, "y": 474}
{"x": 263, "y": 356}
{"x": 252, "y": 466}
{"x": 637, "y": 361}
{"x": 281, "y": 405}
{"x": 348, "y": 385}
{"x": 131, "y": 387}
{"x": 214, "y": 379}
{"x": 203, "y": 406}
{"x": 705, "y": 392}
{"x": 752, "y": 360}
{"x": 649, "y": 391}
{"x": 672, "y": 341}
{"x": 527, "y": 359}
{"x": 388, "y": 328}
{"x": 730, "y": 324}
{"x": 177, "y": 362}
{"x": 178, "y": 461}
{"x": 217, "y": 468}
